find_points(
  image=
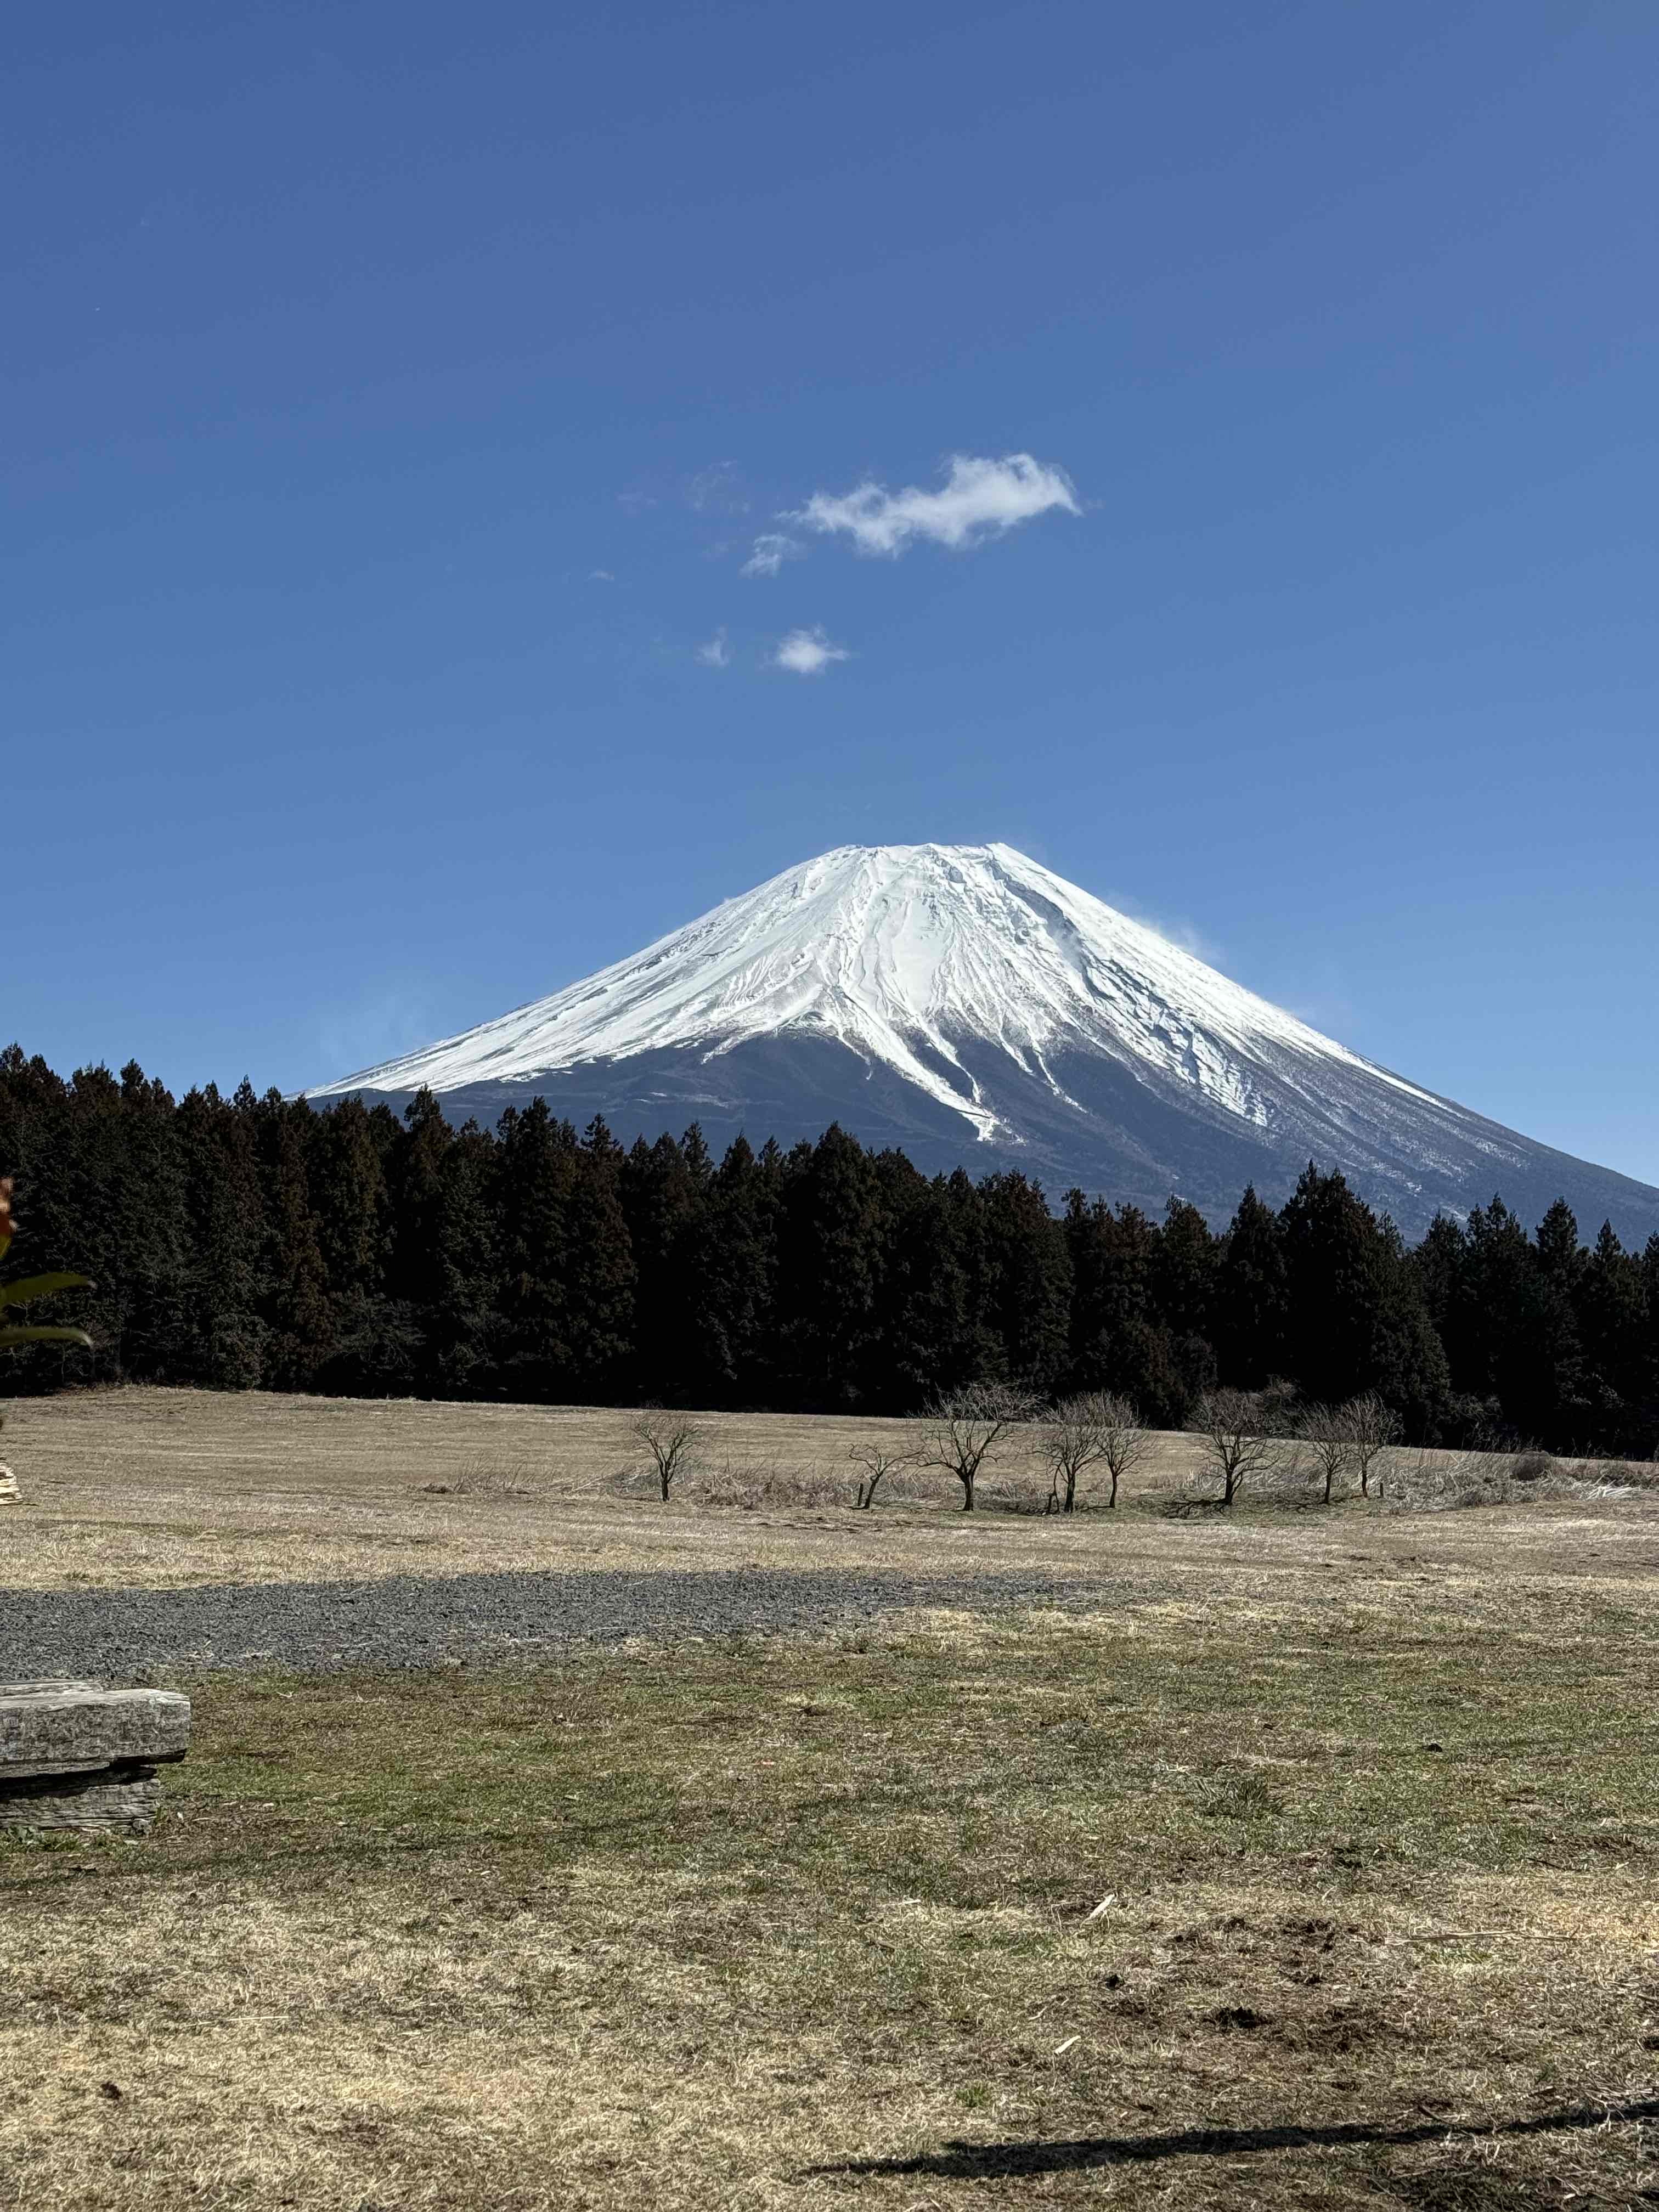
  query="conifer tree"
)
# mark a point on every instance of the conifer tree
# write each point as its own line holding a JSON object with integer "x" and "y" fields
{"x": 223, "y": 1329}
{"x": 927, "y": 1336}
{"x": 347, "y": 1153}
{"x": 537, "y": 1165}
{"x": 293, "y": 1279}
{"x": 731, "y": 1264}
{"x": 1250, "y": 1295}
{"x": 1334, "y": 1261}
{"x": 601, "y": 1282}
{"x": 829, "y": 1266}
{"x": 1612, "y": 1316}
{"x": 662, "y": 1203}
{"x": 1029, "y": 1287}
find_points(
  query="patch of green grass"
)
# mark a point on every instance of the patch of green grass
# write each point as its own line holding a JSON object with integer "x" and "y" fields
{"x": 713, "y": 1924}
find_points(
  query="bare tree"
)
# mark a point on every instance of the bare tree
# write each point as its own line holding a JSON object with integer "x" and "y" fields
{"x": 1126, "y": 1443}
{"x": 1328, "y": 1432}
{"x": 671, "y": 1438}
{"x": 1097, "y": 1430}
{"x": 879, "y": 1462}
{"x": 1373, "y": 1427}
{"x": 961, "y": 1426}
{"x": 1240, "y": 1428}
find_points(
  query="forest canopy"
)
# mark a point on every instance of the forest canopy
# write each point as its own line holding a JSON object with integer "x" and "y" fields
{"x": 256, "y": 1242}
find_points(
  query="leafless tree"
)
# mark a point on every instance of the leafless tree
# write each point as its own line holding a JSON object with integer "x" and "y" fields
{"x": 879, "y": 1462}
{"x": 1240, "y": 1428}
{"x": 1097, "y": 1430}
{"x": 1328, "y": 1432}
{"x": 671, "y": 1438}
{"x": 1372, "y": 1426}
{"x": 960, "y": 1428}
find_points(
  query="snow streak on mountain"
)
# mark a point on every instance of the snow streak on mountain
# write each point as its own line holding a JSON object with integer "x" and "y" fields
{"x": 973, "y": 1008}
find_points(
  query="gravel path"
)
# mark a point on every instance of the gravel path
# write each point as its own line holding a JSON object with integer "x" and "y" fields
{"x": 412, "y": 1620}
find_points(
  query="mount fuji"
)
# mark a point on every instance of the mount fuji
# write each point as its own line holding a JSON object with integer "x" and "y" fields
{"x": 967, "y": 1006}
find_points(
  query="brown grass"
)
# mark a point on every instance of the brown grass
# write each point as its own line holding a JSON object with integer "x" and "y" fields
{"x": 819, "y": 1922}
{"x": 168, "y": 1487}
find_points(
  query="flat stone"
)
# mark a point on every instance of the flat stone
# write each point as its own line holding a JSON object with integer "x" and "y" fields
{"x": 73, "y": 1755}
{"x": 115, "y": 1801}
{"x": 76, "y": 1728}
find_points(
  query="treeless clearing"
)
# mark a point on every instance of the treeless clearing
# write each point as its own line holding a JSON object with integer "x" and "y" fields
{"x": 1316, "y": 1870}
{"x": 1044, "y": 1910}
{"x": 169, "y": 1487}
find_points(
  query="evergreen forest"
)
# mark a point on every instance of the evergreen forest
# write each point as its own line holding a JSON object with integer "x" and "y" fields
{"x": 254, "y": 1241}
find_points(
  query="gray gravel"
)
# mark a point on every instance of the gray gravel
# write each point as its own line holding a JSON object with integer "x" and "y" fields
{"x": 413, "y": 1621}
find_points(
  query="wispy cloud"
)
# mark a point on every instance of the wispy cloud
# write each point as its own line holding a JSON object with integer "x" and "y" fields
{"x": 980, "y": 498}
{"x": 807, "y": 652}
{"x": 601, "y": 576}
{"x": 717, "y": 490}
{"x": 772, "y": 550}
{"x": 715, "y": 653}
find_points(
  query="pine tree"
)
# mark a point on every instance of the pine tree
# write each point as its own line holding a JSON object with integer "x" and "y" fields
{"x": 1518, "y": 1333}
{"x": 829, "y": 1266}
{"x": 372, "y": 1346}
{"x": 538, "y": 1164}
{"x": 1028, "y": 1287}
{"x": 1334, "y": 1262}
{"x": 730, "y": 1263}
{"x": 1250, "y": 1293}
{"x": 460, "y": 1322}
{"x": 223, "y": 1334}
{"x": 294, "y": 1280}
{"x": 1612, "y": 1315}
{"x": 927, "y": 1337}
{"x": 663, "y": 1202}
{"x": 600, "y": 1283}
{"x": 1408, "y": 1362}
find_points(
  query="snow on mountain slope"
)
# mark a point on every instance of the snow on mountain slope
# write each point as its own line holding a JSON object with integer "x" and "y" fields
{"x": 893, "y": 951}
{"x": 964, "y": 1003}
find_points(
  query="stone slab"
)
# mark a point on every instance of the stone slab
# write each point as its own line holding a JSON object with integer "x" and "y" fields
{"x": 76, "y": 1728}
{"x": 115, "y": 1801}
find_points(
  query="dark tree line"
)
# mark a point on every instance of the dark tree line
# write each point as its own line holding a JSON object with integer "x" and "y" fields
{"x": 257, "y": 1241}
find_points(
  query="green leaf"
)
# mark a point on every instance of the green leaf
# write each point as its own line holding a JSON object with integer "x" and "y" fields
{"x": 28, "y": 1287}
{"x": 19, "y": 1334}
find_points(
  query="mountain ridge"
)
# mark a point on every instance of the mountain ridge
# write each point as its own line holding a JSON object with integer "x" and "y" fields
{"x": 969, "y": 1004}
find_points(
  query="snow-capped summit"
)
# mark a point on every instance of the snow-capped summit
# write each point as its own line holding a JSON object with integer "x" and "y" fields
{"x": 965, "y": 1003}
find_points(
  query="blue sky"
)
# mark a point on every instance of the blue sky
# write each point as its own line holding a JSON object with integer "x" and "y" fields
{"x": 394, "y": 397}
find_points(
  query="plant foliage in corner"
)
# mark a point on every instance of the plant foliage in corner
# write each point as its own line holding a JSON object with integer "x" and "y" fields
{"x": 28, "y": 1288}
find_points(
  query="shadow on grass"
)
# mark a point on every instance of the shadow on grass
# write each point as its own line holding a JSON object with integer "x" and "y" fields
{"x": 966, "y": 2161}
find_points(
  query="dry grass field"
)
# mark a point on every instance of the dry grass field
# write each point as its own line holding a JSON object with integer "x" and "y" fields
{"x": 1315, "y": 1866}
{"x": 165, "y": 1488}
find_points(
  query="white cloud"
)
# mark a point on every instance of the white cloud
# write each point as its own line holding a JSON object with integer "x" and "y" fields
{"x": 807, "y": 652}
{"x": 979, "y": 499}
{"x": 772, "y": 550}
{"x": 714, "y": 654}
{"x": 601, "y": 576}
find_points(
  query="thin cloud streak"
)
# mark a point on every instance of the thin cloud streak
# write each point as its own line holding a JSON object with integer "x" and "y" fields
{"x": 980, "y": 498}
{"x": 715, "y": 654}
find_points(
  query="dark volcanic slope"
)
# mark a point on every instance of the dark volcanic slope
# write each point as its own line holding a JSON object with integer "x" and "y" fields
{"x": 1130, "y": 1136}
{"x": 410, "y": 1620}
